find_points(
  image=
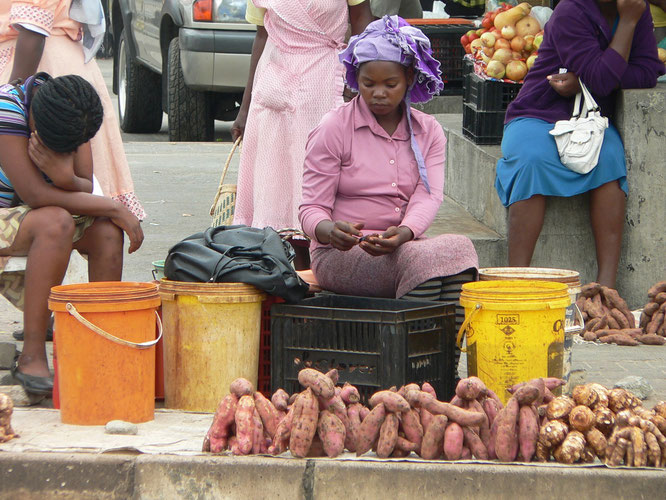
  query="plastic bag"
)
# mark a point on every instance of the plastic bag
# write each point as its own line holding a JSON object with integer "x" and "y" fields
{"x": 438, "y": 11}
{"x": 541, "y": 14}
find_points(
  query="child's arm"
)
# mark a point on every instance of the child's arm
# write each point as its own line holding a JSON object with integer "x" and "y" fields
{"x": 68, "y": 171}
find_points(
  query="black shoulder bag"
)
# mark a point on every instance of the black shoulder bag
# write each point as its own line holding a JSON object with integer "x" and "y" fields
{"x": 237, "y": 254}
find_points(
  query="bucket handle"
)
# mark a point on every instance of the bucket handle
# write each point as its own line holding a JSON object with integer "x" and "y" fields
{"x": 581, "y": 321}
{"x": 464, "y": 326}
{"x": 140, "y": 345}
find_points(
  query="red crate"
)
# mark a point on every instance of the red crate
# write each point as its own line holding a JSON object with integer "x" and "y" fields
{"x": 264, "y": 377}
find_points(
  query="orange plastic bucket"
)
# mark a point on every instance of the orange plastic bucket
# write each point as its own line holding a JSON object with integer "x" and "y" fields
{"x": 106, "y": 351}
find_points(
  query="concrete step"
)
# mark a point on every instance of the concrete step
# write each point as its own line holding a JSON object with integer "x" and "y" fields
{"x": 452, "y": 218}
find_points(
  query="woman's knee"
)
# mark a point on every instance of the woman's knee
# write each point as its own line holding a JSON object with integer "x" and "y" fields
{"x": 53, "y": 223}
{"x": 106, "y": 234}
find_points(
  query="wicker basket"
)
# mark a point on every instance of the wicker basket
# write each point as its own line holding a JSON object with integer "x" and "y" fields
{"x": 224, "y": 203}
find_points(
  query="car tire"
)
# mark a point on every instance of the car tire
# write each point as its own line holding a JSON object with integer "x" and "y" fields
{"x": 190, "y": 114}
{"x": 139, "y": 93}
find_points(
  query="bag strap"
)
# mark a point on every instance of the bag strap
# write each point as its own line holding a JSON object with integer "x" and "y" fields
{"x": 590, "y": 103}
{"x": 224, "y": 174}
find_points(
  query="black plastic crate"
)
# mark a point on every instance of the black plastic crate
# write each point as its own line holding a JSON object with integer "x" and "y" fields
{"x": 447, "y": 49}
{"x": 483, "y": 127}
{"x": 374, "y": 343}
{"x": 489, "y": 95}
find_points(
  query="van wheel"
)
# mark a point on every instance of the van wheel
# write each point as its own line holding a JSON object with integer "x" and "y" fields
{"x": 139, "y": 93}
{"x": 190, "y": 112}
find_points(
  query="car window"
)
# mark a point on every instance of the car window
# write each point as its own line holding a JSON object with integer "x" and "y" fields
{"x": 231, "y": 10}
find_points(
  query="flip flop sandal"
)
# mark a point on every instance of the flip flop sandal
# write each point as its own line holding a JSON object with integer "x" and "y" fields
{"x": 42, "y": 386}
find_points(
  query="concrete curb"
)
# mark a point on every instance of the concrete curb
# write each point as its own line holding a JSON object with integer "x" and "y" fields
{"x": 81, "y": 476}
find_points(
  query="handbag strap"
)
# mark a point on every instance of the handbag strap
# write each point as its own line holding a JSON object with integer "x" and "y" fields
{"x": 224, "y": 174}
{"x": 588, "y": 103}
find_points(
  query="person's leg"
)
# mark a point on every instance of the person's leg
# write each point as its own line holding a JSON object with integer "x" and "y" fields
{"x": 607, "y": 204}
{"x": 410, "y": 9}
{"x": 428, "y": 290}
{"x": 45, "y": 236}
{"x": 102, "y": 242}
{"x": 525, "y": 223}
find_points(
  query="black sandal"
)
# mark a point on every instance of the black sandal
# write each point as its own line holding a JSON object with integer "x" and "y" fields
{"x": 42, "y": 386}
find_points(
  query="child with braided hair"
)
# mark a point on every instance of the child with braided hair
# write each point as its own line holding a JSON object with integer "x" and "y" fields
{"x": 46, "y": 205}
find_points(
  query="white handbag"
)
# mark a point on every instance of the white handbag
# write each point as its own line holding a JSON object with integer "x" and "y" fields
{"x": 579, "y": 139}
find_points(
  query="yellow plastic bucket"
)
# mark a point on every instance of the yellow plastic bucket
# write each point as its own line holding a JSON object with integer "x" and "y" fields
{"x": 514, "y": 330}
{"x": 211, "y": 337}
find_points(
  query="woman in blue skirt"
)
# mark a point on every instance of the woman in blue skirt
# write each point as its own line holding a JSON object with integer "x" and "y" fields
{"x": 608, "y": 44}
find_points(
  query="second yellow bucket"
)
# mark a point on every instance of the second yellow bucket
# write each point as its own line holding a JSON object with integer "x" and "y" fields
{"x": 514, "y": 330}
{"x": 211, "y": 337}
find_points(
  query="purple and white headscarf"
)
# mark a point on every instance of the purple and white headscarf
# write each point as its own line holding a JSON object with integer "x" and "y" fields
{"x": 392, "y": 39}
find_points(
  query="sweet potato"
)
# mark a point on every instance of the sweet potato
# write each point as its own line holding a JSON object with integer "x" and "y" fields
{"x": 619, "y": 339}
{"x": 457, "y": 401}
{"x": 244, "y": 419}
{"x": 334, "y": 375}
{"x": 241, "y": 387}
{"x": 651, "y": 339}
{"x": 304, "y": 424}
{"x": 293, "y": 398}
{"x": 491, "y": 394}
{"x": 363, "y": 412}
{"x": 484, "y": 428}
{"x": 282, "y": 433}
{"x": 426, "y": 387}
{"x": 656, "y": 289}
{"x": 614, "y": 301}
{"x": 454, "y": 413}
{"x": 219, "y": 432}
{"x": 531, "y": 392}
{"x": 354, "y": 417}
{"x": 590, "y": 336}
{"x": 350, "y": 436}
{"x": 650, "y": 308}
{"x": 591, "y": 325}
{"x": 393, "y": 402}
{"x": 432, "y": 445}
{"x": 655, "y": 322}
{"x": 270, "y": 418}
{"x": 399, "y": 453}
{"x": 258, "y": 440}
{"x": 620, "y": 318}
{"x": 528, "y": 432}
{"x": 470, "y": 388}
{"x": 506, "y": 436}
{"x": 331, "y": 403}
{"x": 409, "y": 387}
{"x": 280, "y": 400}
{"x": 466, "y": 454}
{"x": 388, "y": 436}
{"x": 405, "y": 445}
{"x": 320, "y": 384}
{"x": 474, "y": 443}
{"x": 369, "y": 429}
{"x": 331, "y": 431}
{"x": 349, "y": 394}
{"x": 453, "y": 441}
{"x": 593, "y": 309}
{"x": 590, "y": 290}
{"x": 316, "y": 448}
{"x": 491, "y": 408}
{"x": 411, "y": 425}
{"x": 426, "y": 418}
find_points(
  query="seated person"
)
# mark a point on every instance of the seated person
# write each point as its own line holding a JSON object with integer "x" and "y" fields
{"x": 608, "y": 45}
{"x": 46, "y": 205}
{"x": 408, "y": 9}
{"x": 374, "y": 177}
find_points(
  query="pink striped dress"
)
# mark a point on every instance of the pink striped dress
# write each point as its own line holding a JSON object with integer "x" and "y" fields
{"x": 298, "y": 79}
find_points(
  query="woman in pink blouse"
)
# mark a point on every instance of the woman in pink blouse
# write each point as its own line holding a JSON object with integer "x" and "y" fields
{"x": 374, "y": 177}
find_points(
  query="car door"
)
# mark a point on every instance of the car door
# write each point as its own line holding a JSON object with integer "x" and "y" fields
{"x": 152, "y": 15}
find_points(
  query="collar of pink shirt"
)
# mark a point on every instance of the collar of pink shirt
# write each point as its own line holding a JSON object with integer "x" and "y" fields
{"x": 363, "y": 117}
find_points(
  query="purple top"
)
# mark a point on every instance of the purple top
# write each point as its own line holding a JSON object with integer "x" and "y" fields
{"x": 577, "y": 38}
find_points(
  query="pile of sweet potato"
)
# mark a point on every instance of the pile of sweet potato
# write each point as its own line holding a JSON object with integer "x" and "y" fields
{"x": 6, "y": 409}
{"x": 609, "y": 320}
{"x": 595, "y": 422}
{"x": 653, "y": 316}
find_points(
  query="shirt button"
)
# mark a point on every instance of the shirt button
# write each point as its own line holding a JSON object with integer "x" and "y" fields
{"x": 391, "y": 162}
{"x": 393, "y": 184}
{"x": 397, "y": 209}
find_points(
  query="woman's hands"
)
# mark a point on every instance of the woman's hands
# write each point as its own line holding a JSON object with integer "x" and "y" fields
{"x": 126, "y": 221}
{"x": 387, "y": 242}
{"x": 238, "y": 127}
{"x": 565, "y": 84}
{"x": 59, "y": 167}
{"x": 630, "y": 10}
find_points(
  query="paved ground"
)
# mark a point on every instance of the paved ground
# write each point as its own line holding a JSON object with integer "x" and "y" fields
{"x": 177, "y": 183}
